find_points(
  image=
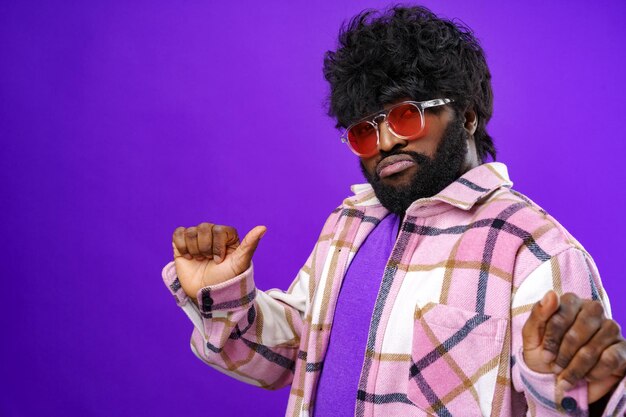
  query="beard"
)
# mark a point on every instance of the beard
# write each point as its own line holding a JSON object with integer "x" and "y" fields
{"x": 433, "y": 174}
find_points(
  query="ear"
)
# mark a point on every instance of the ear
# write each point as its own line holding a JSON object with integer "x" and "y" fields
{"x": 471, "y": 121}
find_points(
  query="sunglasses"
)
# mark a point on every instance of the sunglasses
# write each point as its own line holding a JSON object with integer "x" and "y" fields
{"x": 405, "y": 120}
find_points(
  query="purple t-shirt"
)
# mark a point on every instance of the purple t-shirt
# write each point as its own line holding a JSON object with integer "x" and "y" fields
{"x": 339, "y": 380}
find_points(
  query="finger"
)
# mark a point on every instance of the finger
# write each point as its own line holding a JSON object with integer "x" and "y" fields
{"x": 205, "y": 240}
{"x": 601, "y": 363}
{"x": 587, "y": 357}
{"x": 178, "y": 241}
{"x": 244, "y": 253}
{"x": 612, "y": 359}
{"x": 191, "y": 240}
{"x": 534, "y": 328}
{"x": 559, "y": 324}
{"x": 223, "y": 237}
{"x": 587, "y": 323}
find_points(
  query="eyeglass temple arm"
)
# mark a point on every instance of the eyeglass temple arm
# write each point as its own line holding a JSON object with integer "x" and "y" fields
{"x": 436, "y": 102}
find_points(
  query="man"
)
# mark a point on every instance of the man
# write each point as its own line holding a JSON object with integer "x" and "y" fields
{"x": 436, "y": 289}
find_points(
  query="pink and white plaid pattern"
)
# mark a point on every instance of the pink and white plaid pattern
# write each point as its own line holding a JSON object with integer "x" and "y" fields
{"x": 445, "y": 336}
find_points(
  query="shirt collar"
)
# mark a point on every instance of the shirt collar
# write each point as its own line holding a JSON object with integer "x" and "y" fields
{"x": 463, "y": 193}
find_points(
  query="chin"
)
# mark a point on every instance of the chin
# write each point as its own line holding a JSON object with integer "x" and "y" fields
{"x": 397, "y": 183}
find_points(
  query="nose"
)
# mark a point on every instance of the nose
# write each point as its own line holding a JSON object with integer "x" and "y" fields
{"x": 387, "y": 140}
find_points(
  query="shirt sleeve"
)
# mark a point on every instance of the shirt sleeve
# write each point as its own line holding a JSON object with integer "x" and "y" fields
{"x": 571, "y": 270}
{"x": 246, "y": 333}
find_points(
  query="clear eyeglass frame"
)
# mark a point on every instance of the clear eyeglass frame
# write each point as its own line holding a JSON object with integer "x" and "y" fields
{"x": 372, "y": 119}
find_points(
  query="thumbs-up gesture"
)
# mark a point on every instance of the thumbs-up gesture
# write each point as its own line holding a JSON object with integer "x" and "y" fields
{"x": 573, "y": 339}
{"x": 210, "y": 254}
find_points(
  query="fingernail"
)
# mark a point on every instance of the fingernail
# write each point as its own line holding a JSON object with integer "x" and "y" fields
{"x": 557, "y": 369}
{"x": 188, "y": 257}
{"x": 217, "y": 259}
{"x": 263, "y": 234}
{"x": 544, "y": 300}
{"x": 548, "y": 356}
{"x": 564, "y": 386}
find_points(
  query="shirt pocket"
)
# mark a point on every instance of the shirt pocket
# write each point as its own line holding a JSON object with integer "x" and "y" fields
{"x": 455, "y": 356}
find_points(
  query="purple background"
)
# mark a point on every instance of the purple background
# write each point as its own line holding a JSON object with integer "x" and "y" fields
{"x": 121, "y": 122}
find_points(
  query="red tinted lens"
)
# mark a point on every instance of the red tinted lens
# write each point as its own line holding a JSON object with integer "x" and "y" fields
{"x": 363, "y": 138}
{"x": 406, "y": 120}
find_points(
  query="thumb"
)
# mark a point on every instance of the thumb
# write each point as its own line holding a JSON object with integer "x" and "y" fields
{"x": 245, "y": 251}
{"x": 535, "y": 326}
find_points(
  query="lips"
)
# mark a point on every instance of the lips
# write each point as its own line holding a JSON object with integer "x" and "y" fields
{"x": 394, "y": 164}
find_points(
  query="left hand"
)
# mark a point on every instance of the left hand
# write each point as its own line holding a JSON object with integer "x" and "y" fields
{"x": 573, "y": 339}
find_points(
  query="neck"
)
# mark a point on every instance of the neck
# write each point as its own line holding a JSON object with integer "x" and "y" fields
{"x": 471, "y": 157}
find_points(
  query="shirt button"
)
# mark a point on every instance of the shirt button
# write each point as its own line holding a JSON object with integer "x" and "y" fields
{"x": 207, "y": 301}
{"x": 569, "y": 404}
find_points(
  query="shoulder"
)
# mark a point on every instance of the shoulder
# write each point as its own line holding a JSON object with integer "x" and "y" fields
{"x": 542, "y": 236}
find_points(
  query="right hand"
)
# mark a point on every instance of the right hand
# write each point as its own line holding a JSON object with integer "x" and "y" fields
{"x": 210, "y": 254}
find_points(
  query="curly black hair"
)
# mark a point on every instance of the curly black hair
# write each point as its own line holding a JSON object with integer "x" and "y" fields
{"x": 408, "y": 52}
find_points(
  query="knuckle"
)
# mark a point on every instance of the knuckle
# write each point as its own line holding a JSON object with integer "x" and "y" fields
{"x": 571, "y": 337}
{"x": 610, "y": 359}
{"x": 612, "y": 328}
{"x": 178, "y": 231}
{"x": 557, "y": 322}
{"x": 595, "y": 308}
{"x": 563, "y": 359}
{"x": 569, "y": 298}
{"x": 550, "y": 345}
{"x": 574, "y": 375}
{"x": 191, "y": 232}
{"x": 205, "y": 231}
{"x": 181, "y": 247}
{"x": 587, "y": 353}
{"x": 204, "y": 226}
{"x": 618, "y": 328}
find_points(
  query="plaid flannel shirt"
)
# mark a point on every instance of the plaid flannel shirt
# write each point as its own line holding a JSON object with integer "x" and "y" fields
{"x": 445, "y": 337}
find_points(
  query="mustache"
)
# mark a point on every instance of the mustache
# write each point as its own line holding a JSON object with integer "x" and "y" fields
{"x": 417, "y": 157}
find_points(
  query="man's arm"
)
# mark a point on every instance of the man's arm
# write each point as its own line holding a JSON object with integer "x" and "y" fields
{"x": 246, "y": 333}
{"x": 539, "y": 325}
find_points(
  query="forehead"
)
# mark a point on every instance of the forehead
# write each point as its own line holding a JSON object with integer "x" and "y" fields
{"x": 391, "y": 98}
{"x": 392, "y": 103}
{"x": 377, "y": 108}
{"x": 388, "y": 105}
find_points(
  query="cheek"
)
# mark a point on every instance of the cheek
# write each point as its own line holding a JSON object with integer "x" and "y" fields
{"x": 426, "y": 145}
{"x": 432, "y": 134}
{"x": 369, "y": 164}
